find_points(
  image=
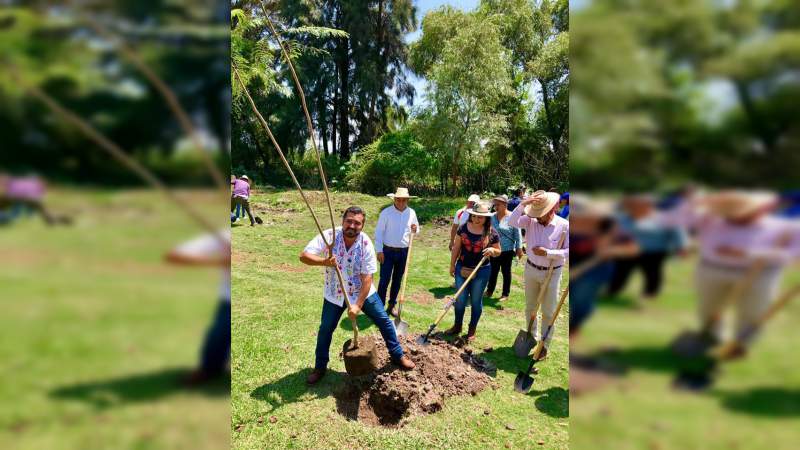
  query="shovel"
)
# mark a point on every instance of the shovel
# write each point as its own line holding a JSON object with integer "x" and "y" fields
{"x": 524, "y": 380}
{"x": 525, "y": 340}
{"x": 424, "y": 338}
{"x": 400, "y": 325}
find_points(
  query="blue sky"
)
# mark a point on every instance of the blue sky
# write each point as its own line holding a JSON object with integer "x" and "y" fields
{"x": 423, "y": 6}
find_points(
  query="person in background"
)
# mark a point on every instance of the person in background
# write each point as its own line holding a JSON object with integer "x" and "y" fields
{"x": 656, "y": 241}
{"x": 211, "y": 250}
{"x": 392, "y": 235}
{"x": 461, "y": 217}
{"x": 537, "y": 215}
{"x": 475, "y": 239}
{"x": 510, "y": 246}
{"x": 518, "y": 195}
{"x": 564, "y": 205}
{"x": 239, "y": 212}
{"x": 241, "y": 196}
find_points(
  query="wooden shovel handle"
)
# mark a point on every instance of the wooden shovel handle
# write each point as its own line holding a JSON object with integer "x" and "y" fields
{"x": 547, "y": 278}
{"x": 539, "y": 345}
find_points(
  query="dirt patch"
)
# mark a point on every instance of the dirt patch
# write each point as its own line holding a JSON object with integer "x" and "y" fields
{"x": 421, "y": 298}
{"x": 288, "y": 268}
{"x": 389, "y": 397}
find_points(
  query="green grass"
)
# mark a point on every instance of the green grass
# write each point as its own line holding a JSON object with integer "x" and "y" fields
{"x": 754, "y": 404}
{"x": 276, "y": 308}
{"x": 96, "y": 328}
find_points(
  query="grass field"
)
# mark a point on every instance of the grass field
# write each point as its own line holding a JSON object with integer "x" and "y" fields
{"x": 96, "y": 329}
{"x": 276, "y": 308}
{"x": 754, "y": 404}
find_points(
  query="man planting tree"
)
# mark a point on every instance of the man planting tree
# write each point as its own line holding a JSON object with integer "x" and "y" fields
{"x": 355, "y": 255}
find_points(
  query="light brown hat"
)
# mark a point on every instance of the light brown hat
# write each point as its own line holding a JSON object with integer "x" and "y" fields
{"x": 401, "y": 193}
{"x": 480, "y": 209}
{"x": 501, "y": 198}
{"x": 738, "y": 204}
{"x": 542, "y": 204}
{"x": 581, "y": 205}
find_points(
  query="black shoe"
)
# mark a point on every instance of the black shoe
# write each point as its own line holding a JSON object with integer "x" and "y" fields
{"x": 315, "y": 376}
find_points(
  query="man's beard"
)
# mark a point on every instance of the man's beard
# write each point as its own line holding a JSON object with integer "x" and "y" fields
{"x": 350, "y": 233}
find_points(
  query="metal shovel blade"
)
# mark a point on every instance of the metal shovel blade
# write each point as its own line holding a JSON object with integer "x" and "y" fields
{"x": 523, "y": 383}
{"x": 423, "y": 338}
{"x": 523, "y": 344}
{"x": 400, "y": 326}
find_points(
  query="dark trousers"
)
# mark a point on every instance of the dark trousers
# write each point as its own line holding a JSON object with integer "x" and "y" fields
{"x": 652, "y": 266}
{"x": 217, "y": 345}
{"x": 373, "y": 309}
{"x": 244, "y": 203}
{"x": 392, "y": 269}
{"x": 501, "y": 263}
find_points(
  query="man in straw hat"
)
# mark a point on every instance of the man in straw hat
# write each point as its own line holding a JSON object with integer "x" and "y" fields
{"x": 354, "y": 253}
{"x": 241, "y": 196}
{"x": 392, "y": 234}
{"x": 536, "y": 214}
{"x": 735, "y": 232}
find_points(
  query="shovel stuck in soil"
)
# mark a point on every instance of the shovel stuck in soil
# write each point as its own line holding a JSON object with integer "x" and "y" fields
{"x": 524, "y": 380}
{"x": 424, "y": 339}
{"x": 525, "y": 340}
{"x": 400, "y": 326}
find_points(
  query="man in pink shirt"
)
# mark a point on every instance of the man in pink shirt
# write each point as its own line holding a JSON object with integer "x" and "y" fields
{"x": 735, "y": 233}
{"x": 241, "y": 196}
{"x": 536, "y": 214}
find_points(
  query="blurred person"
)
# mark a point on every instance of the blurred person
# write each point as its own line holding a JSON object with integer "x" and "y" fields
{"x": 392, "y": 235}
{"x": 736, "y": 232}
{"x": 596, "y": 243}
{"x": 461, "y": 217}
{"x": 241, "y": 196}
{"x": 537, "y": 215}
{"x": 215, "y": 251}
{"x": 564, "y": 205}
{"x": 239, "y": 212}
{"x": 354, "y": 253}
{"x": 25, "y": 195}
{"x": 656, "y": 241}
{"x": 519, "y": 194}
{"x": 510, "y": 246}
{"x": 790, "y": 204}
{"x": 476, "y": 239}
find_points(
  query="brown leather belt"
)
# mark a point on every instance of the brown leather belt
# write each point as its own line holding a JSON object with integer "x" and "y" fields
{"x": 530, "y": 263}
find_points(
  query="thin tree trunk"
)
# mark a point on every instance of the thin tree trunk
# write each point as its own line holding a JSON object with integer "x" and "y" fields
{"x": 343, "y": 65}
{"x": 555, "y": 138}
{"x": 760, "y": 127}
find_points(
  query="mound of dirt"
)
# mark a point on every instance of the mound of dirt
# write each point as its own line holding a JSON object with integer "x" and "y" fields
{"x": 389, "y": 396}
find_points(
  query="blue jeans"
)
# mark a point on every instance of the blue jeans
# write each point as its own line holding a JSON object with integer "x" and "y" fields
{"x": 217, "y": 345}
{"x": 583, "y": 294}
{"x": 472, "y": 293}
{"x": 373, "y": 308}
{"x": 393, "y": 267}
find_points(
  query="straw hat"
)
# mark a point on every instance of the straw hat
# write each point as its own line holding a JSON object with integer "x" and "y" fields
{"x": 738, "y": 204}
{"x": 543, "y": 202}
{"x": 502, "y": 198}
{"x": 401, "y": 193}
{"x": 245, "y": 177}
{"x": 474, "y": 198}
{"x": 480, "y": 209}
{"x": 581, "y": 205}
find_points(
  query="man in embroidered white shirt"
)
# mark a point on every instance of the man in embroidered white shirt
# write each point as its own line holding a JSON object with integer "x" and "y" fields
{"x": 536, "y": 214}
{"x": 392, "y": 235}
{"x": 355, "y": 256}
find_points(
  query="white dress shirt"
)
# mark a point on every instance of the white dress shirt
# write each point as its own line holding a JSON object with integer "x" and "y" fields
{"x": 394, "y": 228}
{"x": 358, "y": 260}
{"x": 461, "y": 217}
{"x": 537, "y": 235}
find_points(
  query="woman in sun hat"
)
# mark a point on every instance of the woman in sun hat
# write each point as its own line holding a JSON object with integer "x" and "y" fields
{"x": 536, "y": 214}
{"x": 510, "y": 246}
{"x": 392, "y": 236}
{"x": 241, "y": 196}
{"x": 474, "y": 240}
{"x": 736, "y": 232}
